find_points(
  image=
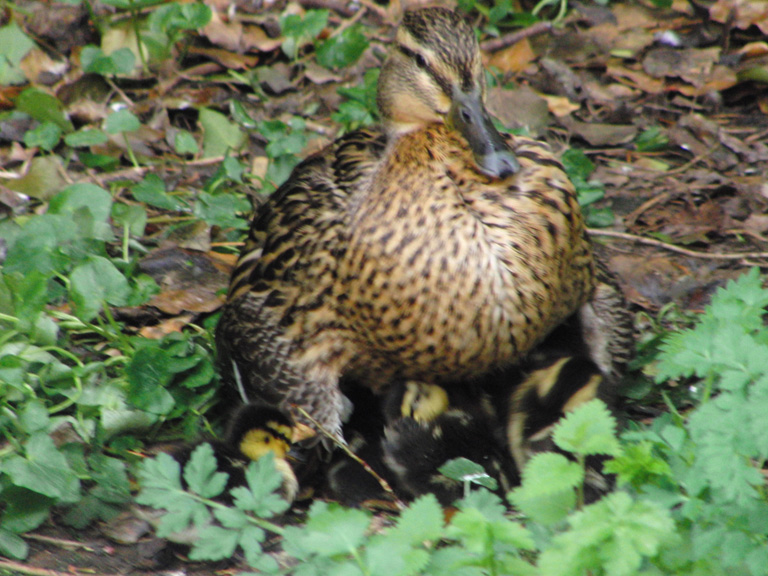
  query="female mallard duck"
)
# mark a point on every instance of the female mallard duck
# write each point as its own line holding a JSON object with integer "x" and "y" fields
{"x": 431, "y": 248}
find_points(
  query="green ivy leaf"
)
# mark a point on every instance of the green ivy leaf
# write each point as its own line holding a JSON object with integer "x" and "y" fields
{"x": 94, "y": 60}
{"x": 121, "y": 121}
{"x": 148, "y": 375}
{"x": 44, "y": 108}
{"x": 222, "y": 210}
{"x": 220, "y": 135}
{"x": 94, "y": 282}
{"x": 78, "y": 196}
{"x": 85, "y": 137}
{"x": 464, "y": 470}
{"x": 14, "y": 46}
{"x": 151, "y": 191}
{"x": 185, "y": 143}
{"x": 44, "y": 470}
{"x": 343, "y": 49}
{"x": 12, "y": 545}
{"x": 46, "y": 136}
{"x": 24, "y": 510}
{"x": 130, "y": 216}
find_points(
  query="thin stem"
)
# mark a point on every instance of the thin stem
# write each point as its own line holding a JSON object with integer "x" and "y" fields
{"x": 126, "y": 241}
{"x": 131, "y": 155}
{"x": 12, "y": 319}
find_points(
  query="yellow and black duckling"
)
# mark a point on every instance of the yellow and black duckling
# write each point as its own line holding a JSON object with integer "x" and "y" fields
{"x": 255, "y": 431}
{"x": 430, "y": 248}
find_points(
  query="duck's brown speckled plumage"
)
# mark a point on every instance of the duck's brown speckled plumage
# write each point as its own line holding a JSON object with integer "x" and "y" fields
{"x": 392, "y": 254}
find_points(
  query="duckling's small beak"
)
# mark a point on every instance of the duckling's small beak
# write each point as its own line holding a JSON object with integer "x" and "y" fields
{"x": 469, "y": 116}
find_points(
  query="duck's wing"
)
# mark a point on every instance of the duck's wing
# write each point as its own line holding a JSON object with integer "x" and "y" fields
{"x": 278, "y": 290}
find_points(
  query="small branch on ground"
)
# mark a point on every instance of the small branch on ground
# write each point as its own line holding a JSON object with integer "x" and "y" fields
{"x": 515, "y": 37}
{"x": 679, "y": 250}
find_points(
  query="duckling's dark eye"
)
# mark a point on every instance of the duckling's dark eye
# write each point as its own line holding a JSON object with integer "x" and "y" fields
{"x": 421, "y": 62}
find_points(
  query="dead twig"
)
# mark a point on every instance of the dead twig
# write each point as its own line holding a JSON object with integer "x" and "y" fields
{"x": 678, "y": 249}
{"x": 337, "y": 6}
{"x": 382, "y": 482}
{"x": 514, "y": 37}
{"x": 69, "y": 544}
{"x": 19, "y": 568}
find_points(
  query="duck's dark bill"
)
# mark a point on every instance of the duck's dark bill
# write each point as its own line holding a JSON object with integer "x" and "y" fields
{"x": 469, "y": 116}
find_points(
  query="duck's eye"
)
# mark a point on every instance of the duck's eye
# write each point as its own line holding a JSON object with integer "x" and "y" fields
{"x": 421, "y": 62}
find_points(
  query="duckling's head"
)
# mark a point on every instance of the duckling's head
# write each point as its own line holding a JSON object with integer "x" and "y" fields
{"x": 423, "y": 402}
{"x": 257, "y": 430}
{"x": 434, "y": 74}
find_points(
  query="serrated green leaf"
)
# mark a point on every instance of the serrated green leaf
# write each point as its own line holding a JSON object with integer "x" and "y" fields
{"x": 251, "y": 538}
{"x": 220, "y": 134}
{"x": 422, "y": 520}
{"x": 261, "y": 496}
{"x": 590, "y": 429}
{"x": 162, "y": 473}
{"x": 389, "y": 558}
{"x": 331, "y": 530}
{"x": 214, "y": 543}
{"x": 638, "y": 465}
{"x": 611, "y": 537}
{"x": 201, "y": 475}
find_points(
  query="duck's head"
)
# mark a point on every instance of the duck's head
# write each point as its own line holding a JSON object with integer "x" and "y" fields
{"x": 257, "y": 430}
{"x": 434, "y": 74}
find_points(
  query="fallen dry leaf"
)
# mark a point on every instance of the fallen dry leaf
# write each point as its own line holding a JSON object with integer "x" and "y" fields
{"x": 745, "y": 13}
{"x": 598, "y": 134}
{"x": 189, "y": 281}
{"x": 560, "y": 105}
{"x": 513, "y": 59}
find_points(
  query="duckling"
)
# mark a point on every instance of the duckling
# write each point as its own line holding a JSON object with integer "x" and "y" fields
{"x": 255, "y": 430}
{"x": 430, "y": 248}
{"x": 544, "y": 395}
{"x": 414, "y": 451}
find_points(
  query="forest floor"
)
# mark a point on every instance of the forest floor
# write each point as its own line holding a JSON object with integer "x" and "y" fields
{"x": 669, "y": 104}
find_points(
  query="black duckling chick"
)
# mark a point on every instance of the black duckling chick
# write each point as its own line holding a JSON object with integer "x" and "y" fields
{"x": 414, "y": 452}
{"x": 430, "y": 248}
{"x": 255, "y": 431}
